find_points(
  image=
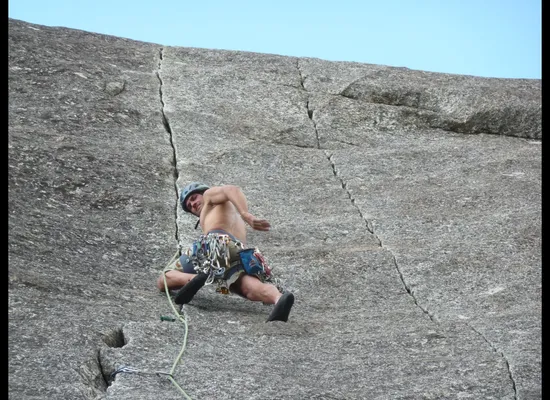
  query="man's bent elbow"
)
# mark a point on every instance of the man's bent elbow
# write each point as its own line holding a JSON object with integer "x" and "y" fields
{"x": 232, "y": 189}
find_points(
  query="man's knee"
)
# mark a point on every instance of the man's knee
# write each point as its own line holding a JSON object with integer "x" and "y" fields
{"x": 249, "y": 284}
{"x": 160, "y": 282}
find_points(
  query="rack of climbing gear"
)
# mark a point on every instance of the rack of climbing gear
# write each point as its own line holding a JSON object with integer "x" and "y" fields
{"x": 211, "y": 255}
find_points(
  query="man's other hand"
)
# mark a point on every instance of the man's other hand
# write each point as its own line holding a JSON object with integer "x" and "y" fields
{"x": 256, "y": 223}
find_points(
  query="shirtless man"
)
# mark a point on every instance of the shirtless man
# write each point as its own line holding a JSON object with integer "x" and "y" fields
{"x": 224, "y": 210}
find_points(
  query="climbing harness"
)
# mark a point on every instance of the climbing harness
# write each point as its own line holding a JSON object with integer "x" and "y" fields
{"x": 211, "y": 254}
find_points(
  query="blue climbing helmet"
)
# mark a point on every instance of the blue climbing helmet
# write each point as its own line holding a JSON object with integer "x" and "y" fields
{"x": 193, "y": 187}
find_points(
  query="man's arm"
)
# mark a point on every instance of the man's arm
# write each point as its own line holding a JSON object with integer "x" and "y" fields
{"x": 234, "y": 194}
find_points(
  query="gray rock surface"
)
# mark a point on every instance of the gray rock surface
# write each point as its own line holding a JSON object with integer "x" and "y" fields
{"x": 405, "y": 210}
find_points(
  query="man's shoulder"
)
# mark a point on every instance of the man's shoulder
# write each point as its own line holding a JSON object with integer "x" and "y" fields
{"x": 223, "y": 187}
{"x": 212, "y": 189}
{"x": 218, "y": 187}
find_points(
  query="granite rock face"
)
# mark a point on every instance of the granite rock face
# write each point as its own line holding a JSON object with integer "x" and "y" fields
{"x": 405, "y": 210}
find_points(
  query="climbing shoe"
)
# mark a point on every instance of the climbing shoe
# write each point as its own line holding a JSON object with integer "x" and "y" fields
{"x": 282, "y": 308}
{"x": 186, "y": 293}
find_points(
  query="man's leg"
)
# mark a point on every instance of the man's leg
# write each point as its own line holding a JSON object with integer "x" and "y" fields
{"x": 184, "y": 278}
{"x": 174, "y": 279}
{"x": 255, "y": 290}
{"x": 186, "y": 293}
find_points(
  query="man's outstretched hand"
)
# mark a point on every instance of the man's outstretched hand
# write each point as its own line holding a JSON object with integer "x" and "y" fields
{"x": 256, "y": 223}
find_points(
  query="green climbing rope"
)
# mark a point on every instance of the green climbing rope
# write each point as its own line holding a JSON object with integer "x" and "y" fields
{"x": 182, "y": 319}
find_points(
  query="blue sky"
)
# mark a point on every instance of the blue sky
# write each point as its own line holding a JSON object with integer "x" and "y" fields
{"x": 492, "y": 38}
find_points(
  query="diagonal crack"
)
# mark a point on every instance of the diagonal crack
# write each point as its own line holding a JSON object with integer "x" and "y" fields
{"x": 345, "y": 187}
{"x": 410, "y": 291}
{"x": 168, "y": 128}
{"x": 368, "y": 225}
{"x": 407, "y": 287}
{"x": 496, "y": 350}
{"x": 371, "y": 230}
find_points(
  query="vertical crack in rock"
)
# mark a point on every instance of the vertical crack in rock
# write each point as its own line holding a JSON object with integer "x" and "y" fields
{"x": 94, "y": 376}
{"x": 371, "y": 230}
{"x": 106, "y": 381}
{"x": 501, "y": 353}
{"x": 97, "y": 372}
{"x": 168, "y": 129}
{"x": 309, "y": 110}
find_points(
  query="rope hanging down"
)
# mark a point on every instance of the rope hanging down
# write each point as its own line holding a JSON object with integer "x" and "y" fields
{"x": 183, "y": 319}
{"x": 206, "y": 253}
